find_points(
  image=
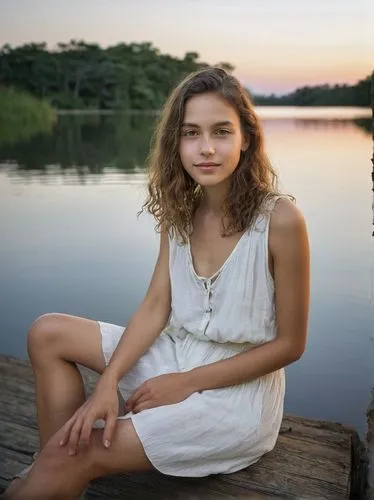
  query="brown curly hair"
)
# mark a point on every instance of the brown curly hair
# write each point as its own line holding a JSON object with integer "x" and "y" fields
{"x": 173, "y": 195}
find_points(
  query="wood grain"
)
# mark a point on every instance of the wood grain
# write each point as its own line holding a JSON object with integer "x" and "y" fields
{"x": 312, "y": 459}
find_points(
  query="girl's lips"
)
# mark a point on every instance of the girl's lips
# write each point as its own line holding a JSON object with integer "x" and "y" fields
{"x": 207, "y": 168}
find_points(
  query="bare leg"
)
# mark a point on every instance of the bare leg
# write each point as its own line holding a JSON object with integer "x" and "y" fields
{"x": 55, "y": 343}
{"x": 47, "y": 479}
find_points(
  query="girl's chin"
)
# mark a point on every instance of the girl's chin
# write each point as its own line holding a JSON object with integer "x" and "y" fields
{"x": 210, "y": 178}
{"x": 210, "y": 181}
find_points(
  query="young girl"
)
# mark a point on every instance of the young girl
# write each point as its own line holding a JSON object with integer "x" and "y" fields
{"x": 200, "y": 364}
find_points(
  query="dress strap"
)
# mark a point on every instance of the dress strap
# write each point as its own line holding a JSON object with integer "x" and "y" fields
{"x": 263, "y": 219}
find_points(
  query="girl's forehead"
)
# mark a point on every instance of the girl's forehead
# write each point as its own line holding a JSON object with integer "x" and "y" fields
{"x": 207, "y": 108}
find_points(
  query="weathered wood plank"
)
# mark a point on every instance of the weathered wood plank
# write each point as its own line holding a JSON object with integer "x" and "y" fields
{"x": 312, "y": 459}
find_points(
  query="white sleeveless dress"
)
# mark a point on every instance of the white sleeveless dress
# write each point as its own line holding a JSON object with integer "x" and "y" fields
{"x": 220, "y": 430}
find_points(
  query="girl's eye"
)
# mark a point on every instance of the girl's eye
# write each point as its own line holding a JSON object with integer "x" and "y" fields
{"x": 222, "y": 131}
{"x": 189, "y": 133}
{"x": 194, "y": 133}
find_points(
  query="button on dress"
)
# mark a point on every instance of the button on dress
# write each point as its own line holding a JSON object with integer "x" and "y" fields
{"x": 219, "y": 430}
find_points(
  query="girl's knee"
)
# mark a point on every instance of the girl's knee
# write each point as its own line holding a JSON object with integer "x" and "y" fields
{"x": 54, "y": 461}
{"x": 48, "y": 477}
{"x": 43, "y": 334}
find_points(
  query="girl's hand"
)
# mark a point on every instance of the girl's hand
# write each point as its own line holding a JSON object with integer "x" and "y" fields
{"x": 163, "y": 390}
{"x": 102, "y": 404}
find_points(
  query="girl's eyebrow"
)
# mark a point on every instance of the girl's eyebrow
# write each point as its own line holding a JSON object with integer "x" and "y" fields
{"x": 217, "y": 124}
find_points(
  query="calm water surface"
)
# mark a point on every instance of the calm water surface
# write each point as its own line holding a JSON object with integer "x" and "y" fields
{"x": 71, "y": 240}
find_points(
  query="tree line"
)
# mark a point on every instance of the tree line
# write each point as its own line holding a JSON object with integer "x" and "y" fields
{"x": 80, "y": 75}
{"x": 323, "y": 95}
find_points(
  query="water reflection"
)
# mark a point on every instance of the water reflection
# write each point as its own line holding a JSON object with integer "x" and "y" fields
{"x": 81, "y": 148}
{"x": 53, "y": 175}
{"x": 87, "y": 144}
{"x": 364, "y": 123}
{"x": 91, "y": 143}
{"x": 20, "y": 130}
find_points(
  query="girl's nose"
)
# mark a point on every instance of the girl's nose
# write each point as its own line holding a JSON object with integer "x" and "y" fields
{"x": 207, "y": 148}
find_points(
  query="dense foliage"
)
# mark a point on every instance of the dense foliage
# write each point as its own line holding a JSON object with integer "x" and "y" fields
{"x": 323, "y": 95}
{"x": 79, "y": 75}
{"x": 23, "y": 116}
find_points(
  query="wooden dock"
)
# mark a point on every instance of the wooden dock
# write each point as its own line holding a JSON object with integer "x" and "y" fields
{"x": 312, "y": 459}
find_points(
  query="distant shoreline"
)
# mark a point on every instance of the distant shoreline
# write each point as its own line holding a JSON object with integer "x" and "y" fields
{"x": 107, "y": 111}
{"x": 264, "y": 111}
{"x": 137, "y": 76}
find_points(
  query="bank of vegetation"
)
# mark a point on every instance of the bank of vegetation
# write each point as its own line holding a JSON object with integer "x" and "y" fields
{"x": 137, "y": 76}
{"x": 22, "y": 115}
{"x": 323, "y": 95}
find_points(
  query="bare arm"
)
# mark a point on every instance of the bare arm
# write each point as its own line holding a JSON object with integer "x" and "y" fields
{"x": 147, "y": 322}
{"x": 143, "y": 329}
{"x": 289, "y": 251}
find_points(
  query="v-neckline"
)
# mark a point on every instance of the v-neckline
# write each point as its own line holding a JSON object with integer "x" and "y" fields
{"x": 214, "y": 275}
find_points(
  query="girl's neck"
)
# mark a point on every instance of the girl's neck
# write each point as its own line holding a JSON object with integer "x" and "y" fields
{"x": 213, "y": 200}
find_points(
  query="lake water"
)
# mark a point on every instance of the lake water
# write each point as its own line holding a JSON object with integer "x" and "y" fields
{"x": 71, "y": 240}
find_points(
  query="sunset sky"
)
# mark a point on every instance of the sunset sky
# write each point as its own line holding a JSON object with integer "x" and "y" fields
{"x": 274, "y": 45}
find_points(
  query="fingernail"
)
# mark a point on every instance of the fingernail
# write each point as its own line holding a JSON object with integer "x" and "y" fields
{"x": 71, "y": 452}
{"x": 61, "y": 442}
{"x": 107, "y": 444}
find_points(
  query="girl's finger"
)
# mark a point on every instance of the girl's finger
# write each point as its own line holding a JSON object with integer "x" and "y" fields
{"x": 110, "y": 425}
{"x": 142, "y": 397}
{"x": 69, "y": 424}
{"x": 66, "y": 430}
{"x": 145, "y": 405}
{"x": 86, "y": 431}
{"x": 135, "y": 396}
{"x": 75, "y": 435}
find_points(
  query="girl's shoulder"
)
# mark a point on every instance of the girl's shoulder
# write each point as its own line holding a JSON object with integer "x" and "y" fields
{"x": 285, "y": 215}
{"x": 287, "y": 230}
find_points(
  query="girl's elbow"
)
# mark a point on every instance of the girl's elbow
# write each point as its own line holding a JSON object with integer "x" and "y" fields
{"x": 296, "y": 352}
{"x": 293, "y": 351}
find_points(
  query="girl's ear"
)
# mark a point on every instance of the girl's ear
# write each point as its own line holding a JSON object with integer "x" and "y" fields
{"x": 245, "y": 143}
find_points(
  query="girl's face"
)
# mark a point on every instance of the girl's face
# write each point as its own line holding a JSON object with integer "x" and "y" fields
{"x": 211, "y": 139}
